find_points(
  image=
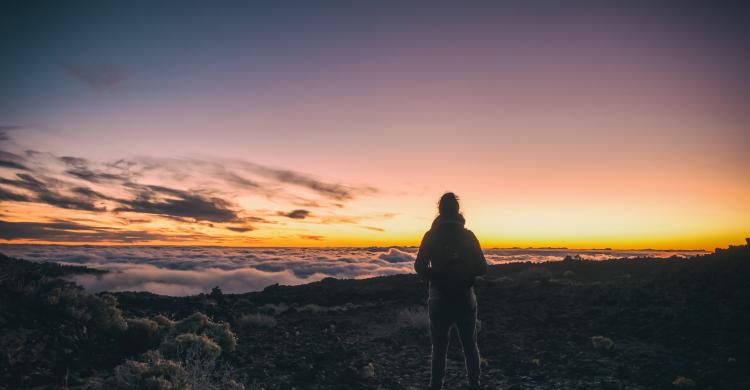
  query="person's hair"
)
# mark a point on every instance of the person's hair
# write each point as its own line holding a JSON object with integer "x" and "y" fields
{"x": 448, "y": 204}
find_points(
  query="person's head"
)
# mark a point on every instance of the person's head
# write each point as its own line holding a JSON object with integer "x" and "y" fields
{"x": 448, "y": 205}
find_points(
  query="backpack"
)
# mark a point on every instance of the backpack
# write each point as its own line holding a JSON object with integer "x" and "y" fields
{"x": 452, "y": 263}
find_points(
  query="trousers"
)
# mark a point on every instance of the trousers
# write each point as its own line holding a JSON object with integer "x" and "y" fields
{"x": 446, "y": 311}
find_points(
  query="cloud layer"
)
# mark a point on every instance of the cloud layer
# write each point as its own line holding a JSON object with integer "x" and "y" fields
{"x": 181, "y": 198}
{"x": 190, "y": 270}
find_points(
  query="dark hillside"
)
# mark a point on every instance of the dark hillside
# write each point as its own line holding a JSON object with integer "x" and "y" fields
{"x": 620, "y": 324}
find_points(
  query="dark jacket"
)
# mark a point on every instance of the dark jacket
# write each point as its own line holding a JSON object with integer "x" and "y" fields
{"x": 446, "y": 240}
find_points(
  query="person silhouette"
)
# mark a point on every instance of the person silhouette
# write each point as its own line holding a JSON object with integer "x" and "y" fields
{"x": 450, "y": 258}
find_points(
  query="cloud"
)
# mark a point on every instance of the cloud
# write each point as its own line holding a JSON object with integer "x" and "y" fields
{"x": 240, "y": 229}
{"x": 183, "y": 282}
{"x": 6, "y": 195}
{"x": 176, "y": 270}
{"x": 171, "y": 202}
{"x": 79, "y": 168}
{"x": 181, "y": 270}
{"x": 312, "y": 237}
{"x": 190, "y": 190}
{"x": 13, "y": 165}
{"x": 396, "y": 256}
{"x": 296, "y": 214}
{"x": 4, "y": 129}
{"x": 44, "y": 193}
{"x": 12, "y": 161}
{"x": 66, "y": 231}
{"x": 334, "y": 191}
{"x": 373, "y": 228}
{"x": 97, "y": 76}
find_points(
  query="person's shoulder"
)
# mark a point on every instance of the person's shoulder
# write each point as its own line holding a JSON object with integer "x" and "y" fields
{"x": 470, "y": 234}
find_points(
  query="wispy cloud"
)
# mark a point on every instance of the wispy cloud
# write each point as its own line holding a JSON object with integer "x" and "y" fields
{"x": 171, "y": 202}
{"x": 71, "y": 232}
{"x": 186, "y": 190}
{"x": 295, "y": 214}
{"x": 99, "y": 76}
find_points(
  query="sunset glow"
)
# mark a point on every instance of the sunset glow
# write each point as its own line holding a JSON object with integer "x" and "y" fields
{"x": 341, "y": 125}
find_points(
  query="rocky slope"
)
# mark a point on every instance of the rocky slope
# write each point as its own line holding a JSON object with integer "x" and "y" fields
{"x": 619, "y": 324}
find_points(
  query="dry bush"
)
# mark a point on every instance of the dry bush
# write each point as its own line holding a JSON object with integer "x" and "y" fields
{"x": 257, "y": 320}
{"x": 153, "y": 372}
{"x": 200, "y": 324}
{"x": 190, "y": 343}
{"x": 313, "y": 308}
{"x": 142, "y": 334}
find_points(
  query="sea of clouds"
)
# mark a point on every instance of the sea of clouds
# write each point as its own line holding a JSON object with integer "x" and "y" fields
{"x": 187, "y": 270}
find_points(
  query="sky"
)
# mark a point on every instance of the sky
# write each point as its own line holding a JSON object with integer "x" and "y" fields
{"x": 587, "y": 124}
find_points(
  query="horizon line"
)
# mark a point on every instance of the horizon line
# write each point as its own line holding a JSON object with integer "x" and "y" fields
{"x": 356, "y": 247}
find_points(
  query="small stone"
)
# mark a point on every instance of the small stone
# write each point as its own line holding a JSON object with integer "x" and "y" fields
{"x": 601, "y": 342}
{"x": 367, "y": 371}
{"x": 683, "y": 383}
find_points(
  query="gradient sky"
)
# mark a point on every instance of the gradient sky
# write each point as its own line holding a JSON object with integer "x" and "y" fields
{"x": 584, "y": 124}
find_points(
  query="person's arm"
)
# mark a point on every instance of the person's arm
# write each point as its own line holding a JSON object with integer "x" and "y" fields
{"x": 421, "y": 264}
{"x": 480, "y": 263}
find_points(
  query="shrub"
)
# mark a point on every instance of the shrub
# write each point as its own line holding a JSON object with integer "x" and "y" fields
{"x": 164, "y": 322}
{"x": 142, "y": 334}
{"x": 190, "y": 344}
{"x": 200, "y": 324}
{"x": 258, "y": 320}
{"x": 568, "y": 274}
{"x": 98, "y": 312}
{"x": 153, "y": 372}
{"x": 194, "y": 323}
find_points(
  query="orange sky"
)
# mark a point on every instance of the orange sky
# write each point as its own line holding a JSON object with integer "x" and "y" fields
{"x": 622, "y": 127}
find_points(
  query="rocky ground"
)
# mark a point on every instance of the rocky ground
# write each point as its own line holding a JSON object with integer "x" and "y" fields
{"x": 618, "y": 324}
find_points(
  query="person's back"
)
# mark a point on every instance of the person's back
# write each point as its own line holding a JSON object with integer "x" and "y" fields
{"x": 450, "y": 258}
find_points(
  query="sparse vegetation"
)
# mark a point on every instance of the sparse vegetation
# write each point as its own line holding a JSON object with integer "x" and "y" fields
{"x": 152, "y": 372}
{"x": 532, "y": 333}
{"x": 258, "y": 319}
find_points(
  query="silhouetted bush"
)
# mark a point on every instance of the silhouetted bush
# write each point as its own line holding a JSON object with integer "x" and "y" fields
{"x": 190, "y": 343}
{"x": 200, "y": 324}
{"x": 142, "y": 334}
{"x": 153, "y": 373}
